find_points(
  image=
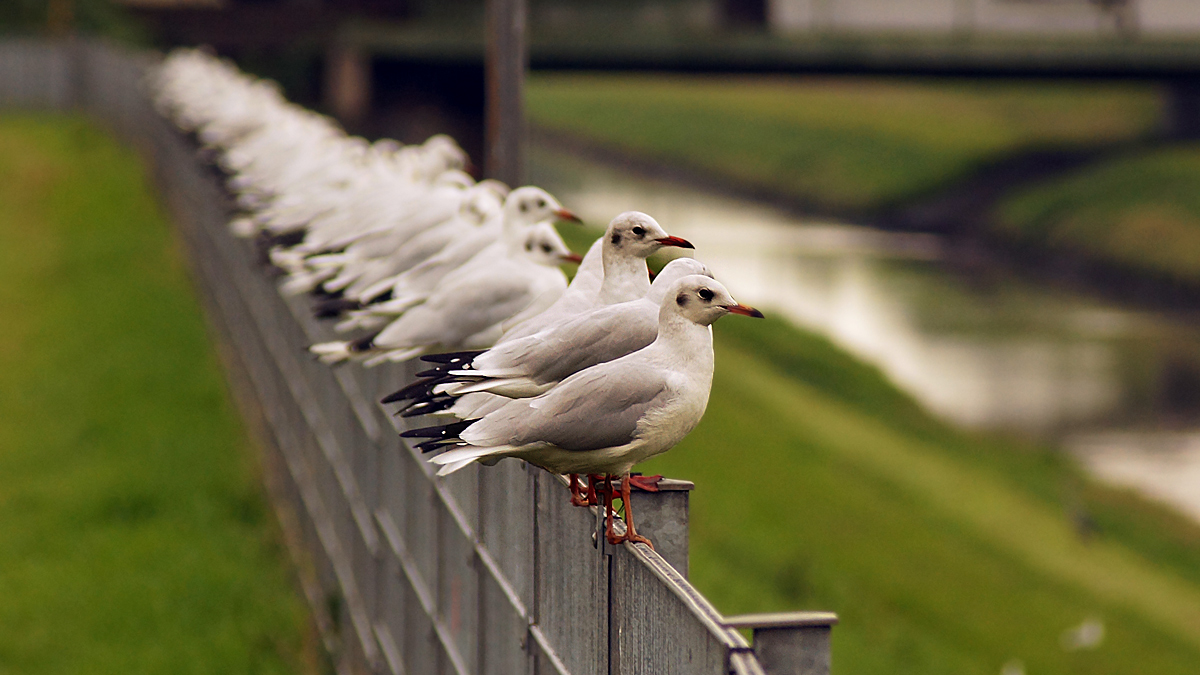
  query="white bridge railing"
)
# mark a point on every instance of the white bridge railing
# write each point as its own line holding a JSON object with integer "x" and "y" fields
{"x": 486, "y": 571}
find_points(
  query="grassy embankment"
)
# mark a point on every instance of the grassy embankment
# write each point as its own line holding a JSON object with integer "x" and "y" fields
{"x": 855, "y": 149}
{"x": 135, "y": 536}
{"x": 1140, "y": 212}
{"x": 820, "y": 486}
{"x": 835, "y": 143}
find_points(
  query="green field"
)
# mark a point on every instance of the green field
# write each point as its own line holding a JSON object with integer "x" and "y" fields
{"x": 135, "y": 537}
{"x": 1141, "y": 212}
{"x": 848, "y": 144}
{"x": 821, "y": 487}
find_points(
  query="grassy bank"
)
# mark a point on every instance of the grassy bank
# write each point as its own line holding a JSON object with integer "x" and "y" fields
{"x": 848, "y": 144}
{"x": 135, "y": 537}
{"x": 1141, "y": 212}
{"x": 822, "y": 487}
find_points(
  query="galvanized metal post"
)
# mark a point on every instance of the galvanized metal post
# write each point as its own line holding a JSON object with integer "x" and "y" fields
{"x": 790, "y": 643}
{"x": 507, "y": 57}
{"x": 662, "y": 517}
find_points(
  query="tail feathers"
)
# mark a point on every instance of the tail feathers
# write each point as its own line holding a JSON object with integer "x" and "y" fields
{"x": 303, "y": 282}
{"x": 243, "y": 227}
{"x": 331, "y": 352}
{"x": 395, "y": 356}
{"x": 484, "y": 385}
{"x": 458, "y": 458}
{"x": 455, "y": 466}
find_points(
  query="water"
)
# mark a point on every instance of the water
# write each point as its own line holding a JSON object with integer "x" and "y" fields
{"x": 989, "y": 349}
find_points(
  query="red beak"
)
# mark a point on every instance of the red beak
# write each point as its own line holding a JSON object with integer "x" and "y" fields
{"x": 675, "y": 241}
{"x": 745, "y": 311}
{"x": 572, "y": 258}
{"x": 564, "y": 214}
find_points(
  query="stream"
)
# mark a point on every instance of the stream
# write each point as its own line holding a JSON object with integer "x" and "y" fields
{"x": 1116, "y": 386}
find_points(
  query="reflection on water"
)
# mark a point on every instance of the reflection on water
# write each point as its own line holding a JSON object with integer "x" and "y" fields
{"x": 996, "y": 353}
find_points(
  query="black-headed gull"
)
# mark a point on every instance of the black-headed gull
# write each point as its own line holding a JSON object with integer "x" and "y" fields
{"x": 467, "y": 311}
{"x": 607, "y": 418}
{"x": 533, "y": 364}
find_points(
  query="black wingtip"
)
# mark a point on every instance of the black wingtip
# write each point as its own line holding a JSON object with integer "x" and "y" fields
{"x": 453, "y": 357}
{"x": 443, "y": 432}
{"x": 363, "y": 344}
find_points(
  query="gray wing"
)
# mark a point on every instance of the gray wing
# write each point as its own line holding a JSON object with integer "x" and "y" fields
{"x": 597, "y": 408}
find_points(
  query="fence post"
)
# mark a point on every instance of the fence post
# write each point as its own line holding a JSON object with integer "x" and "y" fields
{"x": 790, "y": 643}
{"x": 504, "y": 106}
{"x": 662, "y": 517}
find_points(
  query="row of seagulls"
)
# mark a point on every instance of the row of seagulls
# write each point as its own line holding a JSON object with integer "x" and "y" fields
{"x": 398, "y": 243}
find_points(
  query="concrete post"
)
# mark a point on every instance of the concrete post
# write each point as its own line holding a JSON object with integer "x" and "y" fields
{"x": 662, "y": 517}
{"x": 790, "y": 643}
{"x": 504, "y": 105}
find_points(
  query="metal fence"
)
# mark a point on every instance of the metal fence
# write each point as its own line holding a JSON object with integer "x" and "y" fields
{"x": 486, "y": 571}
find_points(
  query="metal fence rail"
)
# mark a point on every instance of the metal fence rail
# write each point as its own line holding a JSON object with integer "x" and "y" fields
{"x": 484, "y": 572}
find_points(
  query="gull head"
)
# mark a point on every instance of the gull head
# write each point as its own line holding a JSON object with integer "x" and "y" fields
{"x": 479, "y": 204}
{"x": 637, "y": 234}
{"x": 443, "y": 151}
{"x": 703, "y": 300}
{"x": 544, "y": 246}
{"x": 528, "y": 205}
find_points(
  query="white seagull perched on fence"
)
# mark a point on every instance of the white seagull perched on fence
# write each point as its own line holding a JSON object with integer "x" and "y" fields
{"x": 533, "y": 364}
{"x": 607, "y": 418}
{"x": 467, "y": 312}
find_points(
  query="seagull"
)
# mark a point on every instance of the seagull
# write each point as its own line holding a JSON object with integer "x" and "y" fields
{"x": 628, "y": 240}
{"x": 466, "y": 312}
{"x": 480, "y": 249}
{"x": 605, "y": 419}
{"x": 533, "y": 364}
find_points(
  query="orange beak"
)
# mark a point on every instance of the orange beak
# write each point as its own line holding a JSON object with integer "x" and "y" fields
{"x": 572, "y": 258}
{"x": 675, "y": 241}
{"x": 744, "y": 311}
{"x": 564, "y": 214}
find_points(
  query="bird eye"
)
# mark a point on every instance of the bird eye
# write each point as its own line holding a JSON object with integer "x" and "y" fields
{"x": 705, "y": 294}
{"x": 541, "y": 203}
{"x": 546, "y": 248}
{"x": 639, "y": 230}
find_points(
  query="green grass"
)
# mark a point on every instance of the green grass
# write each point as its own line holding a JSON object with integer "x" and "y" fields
{"x": 822, "y": 487}
{"x": 1141, "y": 212}
{"x": 135, "y": 537}
{"x": 850, "y": 144}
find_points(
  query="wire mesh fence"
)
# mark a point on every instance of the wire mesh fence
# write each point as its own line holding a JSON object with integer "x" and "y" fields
{"x": 486, "y": 571}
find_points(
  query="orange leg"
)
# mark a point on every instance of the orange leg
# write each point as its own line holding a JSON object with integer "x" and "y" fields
{"x": 630, "y": 533}
{"x": 578, "y": 497}
{"x": 646, "y": 483}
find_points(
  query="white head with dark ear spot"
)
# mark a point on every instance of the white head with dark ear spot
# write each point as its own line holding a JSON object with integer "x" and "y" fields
{"x": 480, "y": 203}
{"x": 543, "y": 245}
{"x": 673, "y": 271}
{"x": 528, "y": 205}
{"x": 701, "y": 300}
{"x": 638, "y": 235}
